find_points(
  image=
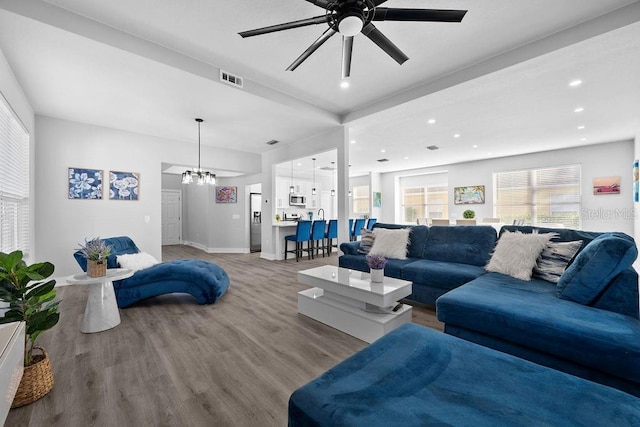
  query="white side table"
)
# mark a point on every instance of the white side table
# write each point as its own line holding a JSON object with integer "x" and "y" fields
{"x": 101, "y": 312}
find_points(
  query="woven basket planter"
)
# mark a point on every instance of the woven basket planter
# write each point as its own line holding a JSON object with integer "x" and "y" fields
{"x": 37, "y": 381}
{"x": 96, "y": 268}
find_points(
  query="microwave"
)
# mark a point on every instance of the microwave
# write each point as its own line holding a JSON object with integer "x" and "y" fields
{"x": 297, "y": 200}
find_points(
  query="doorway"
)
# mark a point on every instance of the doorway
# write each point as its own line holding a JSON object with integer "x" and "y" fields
{"x": 255, "y": 222}
{"x": 171, "y": 217}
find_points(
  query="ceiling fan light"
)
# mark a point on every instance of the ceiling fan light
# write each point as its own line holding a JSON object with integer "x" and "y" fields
{"x": 350, "y": 25}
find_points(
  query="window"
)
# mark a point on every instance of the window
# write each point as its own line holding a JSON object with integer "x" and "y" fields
{"x": 424, "y": 196}
{"x": 361, "y": 200}
{"x": 539, "y": 196}
{"x": 14, "y": 182}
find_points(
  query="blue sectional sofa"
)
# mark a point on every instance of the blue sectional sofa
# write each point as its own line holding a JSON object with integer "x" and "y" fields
{"x": 415, "y": 376}
{"x": 205, "y": 281}
{"x": 592, "y": 330}
{"x": 439, "y": 258}
{"x": 597, "y": 338}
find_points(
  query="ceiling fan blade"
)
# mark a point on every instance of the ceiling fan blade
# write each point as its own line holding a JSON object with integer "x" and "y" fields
{"x": 384, "y": 43}
{"x": 314, "y": 46}
{"x": 322, "y": 3}
{"x": 347, "y": 50}
{"x": 424, "y": 15}
{"x": 286, "y": 26}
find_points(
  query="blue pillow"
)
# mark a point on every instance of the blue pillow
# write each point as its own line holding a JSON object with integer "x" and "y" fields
{"x": 596, "y": 266}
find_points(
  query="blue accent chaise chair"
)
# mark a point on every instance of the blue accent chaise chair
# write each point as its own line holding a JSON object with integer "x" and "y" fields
{"x": 205, "y": 281}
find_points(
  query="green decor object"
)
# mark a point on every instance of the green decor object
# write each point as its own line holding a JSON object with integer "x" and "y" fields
{"x": 277, "y": 217}
{"x": 30, "y": 298}
{"x": 468, "y": 214}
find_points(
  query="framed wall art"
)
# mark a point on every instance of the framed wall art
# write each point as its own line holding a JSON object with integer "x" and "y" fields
{"x": 226, "y": 194}
{"x": 606, "y": 185}
{"x": 636, "y": 183}
{"x": 377, "y": 199}
{"x": 124, "y": 185}
{"x": 85, "y": 183}
{"x": 468, "y": 195}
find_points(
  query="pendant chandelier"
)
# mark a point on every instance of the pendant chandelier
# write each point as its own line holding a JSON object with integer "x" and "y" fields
{"x": 313, "y": 190}
{"x": 333, "y": 179}
{"x": 198, "y": 175}
{"x": 292, "y": 189}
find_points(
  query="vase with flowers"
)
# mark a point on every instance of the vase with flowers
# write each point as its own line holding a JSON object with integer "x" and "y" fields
{"x": 376, "y": 263}
{"x": 96, "y": 252}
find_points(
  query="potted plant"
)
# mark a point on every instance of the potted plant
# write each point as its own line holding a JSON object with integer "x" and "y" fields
{"x": 468, "y": 214}
{"x": 376, "y": 263}
{"x": 277, "y": 217}
{"x": 33, "y": 303}
{"x": 96, "y": 252}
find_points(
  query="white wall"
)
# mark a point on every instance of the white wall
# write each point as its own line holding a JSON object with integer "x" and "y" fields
{"x": 12, "y": 92}
{"x": 600, "y": 213}
{"x": 61, "y": 223}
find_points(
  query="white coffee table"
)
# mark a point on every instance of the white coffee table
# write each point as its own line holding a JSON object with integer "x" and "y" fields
{"x": 346, "y": 300}
{"x": 101, "y": 312}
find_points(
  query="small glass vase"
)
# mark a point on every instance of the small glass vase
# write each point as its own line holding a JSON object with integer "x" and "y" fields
{"x": 377, "y": 275}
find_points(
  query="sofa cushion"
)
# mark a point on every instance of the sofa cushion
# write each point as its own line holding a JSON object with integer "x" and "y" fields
{"x": 530, "y": 315}
{"x": 136, "y": 262}
{"x": 516, "y": 253}
{"x": 417, "y": 237}
{"x": 358, "y": 262}
{"x": 447, "y": 275}
{"x": 415, "y": 376}
{"x": 596, "y": 266}
{"x": 554, "y": 260}
{"x": 391, "y": 243}
{"x": 461, "y": 244}
{"x": 366, "y": 241}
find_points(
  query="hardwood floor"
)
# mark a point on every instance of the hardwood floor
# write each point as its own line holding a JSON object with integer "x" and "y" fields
{"x": 172, "y": 362}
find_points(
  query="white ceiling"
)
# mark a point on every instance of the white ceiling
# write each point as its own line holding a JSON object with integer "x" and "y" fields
{"x": 499, "y": 78}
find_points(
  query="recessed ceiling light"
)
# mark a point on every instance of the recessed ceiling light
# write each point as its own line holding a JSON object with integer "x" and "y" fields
{"x": 353, "y": 141}
{"x": 581, "y": 127}
{"x": 578, "y": 110}
{"x": 406, "y": 158}
{"x": 456, "y": 135}
{"x": 475, "y": 146}
{"x": 575, "y": 83}
{"x": 489, "y": 153}
{"x": 344, "y": 84}
{"x": 383, "y": 151}
{"x": 431, "y": 121}
{"x": 583, "y": 139}
{"x": 299, "y": 164}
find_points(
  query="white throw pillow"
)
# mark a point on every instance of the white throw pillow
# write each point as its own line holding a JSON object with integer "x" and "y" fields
{"x": 391, "y": 243}
{"x": 516, "y": 253}
{"x": 136, "y": 262}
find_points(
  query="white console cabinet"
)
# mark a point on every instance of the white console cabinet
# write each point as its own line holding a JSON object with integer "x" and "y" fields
{"x": 11, "y": 364}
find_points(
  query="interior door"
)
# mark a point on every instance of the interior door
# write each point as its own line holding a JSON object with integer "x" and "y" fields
{"x": 171, "y": 217}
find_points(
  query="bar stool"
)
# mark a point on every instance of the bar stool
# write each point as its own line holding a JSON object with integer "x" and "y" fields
{"x": 303, "y": 233}
{"x": 332, "y": 233}
{"x": 370, "y": 223}
{"x": 357, "y": 229}
{"x": 316, "y": 241}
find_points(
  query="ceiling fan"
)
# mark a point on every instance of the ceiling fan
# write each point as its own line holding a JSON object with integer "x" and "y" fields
{"x": 350, "y": 17}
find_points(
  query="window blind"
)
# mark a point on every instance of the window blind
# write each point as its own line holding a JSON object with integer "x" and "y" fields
{"x": 14, "y": 182}
{"x": 424, "y": 196}
{"x": 361, "y": 199}
{"x": 540, "y": 196}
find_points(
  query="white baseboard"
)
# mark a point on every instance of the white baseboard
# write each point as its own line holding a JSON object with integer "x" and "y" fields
{"x": 217, "y": 250}
{"x": 268, "y": 256}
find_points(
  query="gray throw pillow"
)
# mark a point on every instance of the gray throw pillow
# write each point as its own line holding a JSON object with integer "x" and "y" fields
{"x": 554, "y": 260}
{"x": 366, "y": 241}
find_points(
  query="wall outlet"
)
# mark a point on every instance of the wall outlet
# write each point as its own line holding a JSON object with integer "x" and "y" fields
{"x": 235, "y": 216}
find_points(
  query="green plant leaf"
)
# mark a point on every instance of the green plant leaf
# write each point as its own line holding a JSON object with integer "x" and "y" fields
{"x": 41, "y": 288}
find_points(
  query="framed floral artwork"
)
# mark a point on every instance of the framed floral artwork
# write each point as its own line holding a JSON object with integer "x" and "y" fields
{"x": 124, "y": 185}
{"x": 226, "y": 194}
{"x": 85, "y": 183}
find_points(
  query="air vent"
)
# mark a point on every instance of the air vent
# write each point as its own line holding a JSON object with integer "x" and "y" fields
{"x": 328, "y": 168}
{"x": 272, "y": 142}
{"x": 432, "y": 147}
{"x": 382, "y": 160}
{"x": 231, "y": 79}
